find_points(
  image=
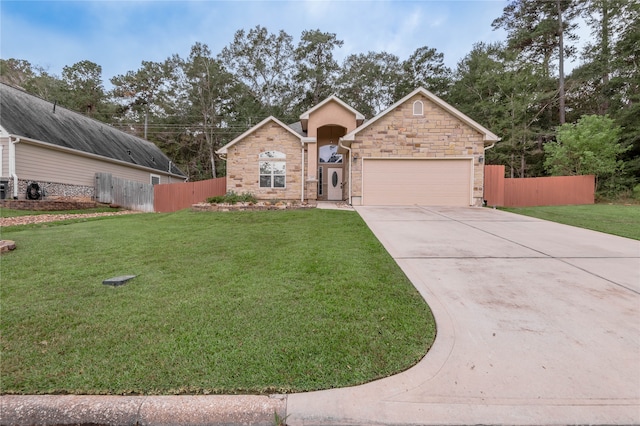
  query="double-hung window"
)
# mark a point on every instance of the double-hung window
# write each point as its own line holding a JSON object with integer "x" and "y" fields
{"x": 273, "y": 169}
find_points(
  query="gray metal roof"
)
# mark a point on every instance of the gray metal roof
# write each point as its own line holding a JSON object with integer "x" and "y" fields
{"x": 22, "y": 114}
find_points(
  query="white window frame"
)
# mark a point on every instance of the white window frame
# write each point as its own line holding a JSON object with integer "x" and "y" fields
{"x": 152, "y": 176}
{"x": 421, "y": 108}
{"x": 272, "y": 157}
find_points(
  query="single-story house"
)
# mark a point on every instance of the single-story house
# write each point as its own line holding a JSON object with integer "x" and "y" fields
{"x": 420, "y": 150}
{"x": 61, "y": 151}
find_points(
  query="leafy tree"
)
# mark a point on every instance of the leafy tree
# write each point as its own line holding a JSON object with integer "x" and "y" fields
{"x": 368, "y": 81}
{"x": 264, "y": 62}
{"x": 495, "y": 87}
{"x": 33, "y": 79}
{"x": 84, "y": 83}
{"x": 317, "y": 69}
{"x": 209, "y": 88}
{"x": 604, "y": 17}
{"x": 144, "y": 90}
{"x": 15, "y": 72}
{"x": 590, "y": 146}
{"x": 424, "y": 68}
{"x": 537, "y": 29}
{"x": 589, "y": 88}
{"x": 625, "y": 82}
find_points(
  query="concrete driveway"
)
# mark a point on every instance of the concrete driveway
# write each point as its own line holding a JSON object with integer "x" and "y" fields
{"x": 538, "y": 323}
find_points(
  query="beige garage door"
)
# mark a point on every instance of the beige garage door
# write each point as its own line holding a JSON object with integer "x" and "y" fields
{"x": 434, "y": 182}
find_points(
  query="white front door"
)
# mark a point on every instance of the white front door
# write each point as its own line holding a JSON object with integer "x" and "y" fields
{"x": 334, "y": 183}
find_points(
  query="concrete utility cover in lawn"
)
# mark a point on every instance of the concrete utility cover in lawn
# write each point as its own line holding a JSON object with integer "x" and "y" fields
{"x": 118, "y": 280}
{"x": 538, "y": 323}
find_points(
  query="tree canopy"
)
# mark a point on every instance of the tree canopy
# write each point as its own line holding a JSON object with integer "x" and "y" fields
{"x": 192, "y": 106}
{"x": 589, "y": 147}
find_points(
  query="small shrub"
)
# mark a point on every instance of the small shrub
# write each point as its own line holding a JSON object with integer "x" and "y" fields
{"x": 636, "y": 192}
{"x": 216, "y": 200}
{"x": 232, "y": 197}
{"x": 247, "y": 197}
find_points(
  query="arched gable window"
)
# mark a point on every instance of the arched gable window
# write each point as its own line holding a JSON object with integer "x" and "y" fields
{"x": 272, "y": 154}
{"x": 273, "y": 173}
{"x": 418, "y": 108}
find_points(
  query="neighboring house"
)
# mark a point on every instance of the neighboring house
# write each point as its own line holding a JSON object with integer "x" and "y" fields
{"x": 61, "y": 151}
{"x": 420, "y": 150}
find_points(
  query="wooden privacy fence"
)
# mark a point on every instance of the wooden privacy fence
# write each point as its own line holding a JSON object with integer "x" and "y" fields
{"x": 126, "y": 193}
{"x": 177, "y": 196}
{"x": 543, "y": 191}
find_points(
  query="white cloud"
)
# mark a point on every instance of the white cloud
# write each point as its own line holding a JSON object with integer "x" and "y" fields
{"x": 118, "y": 35}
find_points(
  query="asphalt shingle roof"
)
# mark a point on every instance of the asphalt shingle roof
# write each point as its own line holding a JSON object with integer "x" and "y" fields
{"x": 26, "y": 115}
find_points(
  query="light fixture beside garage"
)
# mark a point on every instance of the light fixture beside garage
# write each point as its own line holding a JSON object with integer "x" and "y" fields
{"x": 481, "y": 159}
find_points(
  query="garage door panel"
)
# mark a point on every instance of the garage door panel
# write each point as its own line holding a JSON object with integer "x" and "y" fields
{"x": 408, "y": 182}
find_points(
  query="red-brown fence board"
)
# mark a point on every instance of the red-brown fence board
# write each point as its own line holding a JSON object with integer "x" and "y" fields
{"x": 544, "y": 191}
{"x": 494, "y": 185}
{"x": 549, "y": 191}
{"x": 177, "y": 196}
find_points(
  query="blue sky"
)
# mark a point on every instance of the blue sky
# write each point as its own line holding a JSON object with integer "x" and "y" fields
{"x": 118, "y": 35}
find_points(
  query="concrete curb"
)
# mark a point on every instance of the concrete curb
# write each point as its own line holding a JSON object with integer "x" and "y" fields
{"x": 141, "y": 410}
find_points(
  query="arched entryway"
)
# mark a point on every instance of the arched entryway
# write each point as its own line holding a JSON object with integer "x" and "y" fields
{"x": 332, "y": 179}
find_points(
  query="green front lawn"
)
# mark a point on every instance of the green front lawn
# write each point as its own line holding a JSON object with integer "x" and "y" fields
{"x": 616, "y": 219}
{"x": 248, "y": 302}
{"x": 4, "y": 212}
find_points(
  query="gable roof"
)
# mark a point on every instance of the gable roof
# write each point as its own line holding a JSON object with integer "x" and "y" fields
{"x": 489, "y": 137}
{"x": 25, "y": 115}
{"x": 223, "y": 150}
{"x": 304, "y": 118}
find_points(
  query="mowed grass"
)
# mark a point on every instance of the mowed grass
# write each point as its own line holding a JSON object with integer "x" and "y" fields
{"x": 616, "y": 219}
{"x": 247, "y": 302}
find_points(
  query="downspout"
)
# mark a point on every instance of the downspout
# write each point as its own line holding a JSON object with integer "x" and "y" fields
{"x": 485, "y": 161}
{"x": 12, "y": 165}
{"x": 350, "y": 161}
{"x": 302, "y": 181}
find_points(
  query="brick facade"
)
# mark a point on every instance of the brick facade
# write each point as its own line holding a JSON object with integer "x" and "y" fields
{"x": 243, "y": 163}
{"x": 435, "y": 134}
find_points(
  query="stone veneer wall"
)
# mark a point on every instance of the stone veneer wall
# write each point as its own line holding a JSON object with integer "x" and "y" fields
{"x": 52, "y": 190}
{"x": 435, "y": 134}
{"x": 243, "y": 173}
